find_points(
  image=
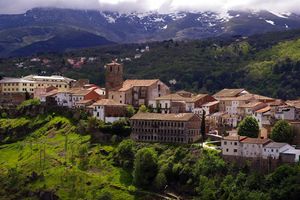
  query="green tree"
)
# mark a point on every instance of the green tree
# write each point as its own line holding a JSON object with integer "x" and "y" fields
{"x": 145, "y": 167}
{"x": 121, "y": 128}
{"x": 210, "y": 164}
{"x": 160, "y": 181}
{"x": 143, "y": 109}
{"x": 125, "y": 153}
{"x": 249, "y": 127}
{"x": 203, "y": 126}
{"x": 130, "y": 111}
{"x": 207, "y": 188}
{"x": 282, "y": 132}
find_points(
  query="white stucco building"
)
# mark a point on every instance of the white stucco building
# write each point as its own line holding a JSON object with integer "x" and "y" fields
{"x": 273, "y": 149}
{"x": 232, "y": 146}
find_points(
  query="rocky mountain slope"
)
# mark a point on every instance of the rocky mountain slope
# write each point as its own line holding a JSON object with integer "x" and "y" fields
{"x": 45, "y": 24}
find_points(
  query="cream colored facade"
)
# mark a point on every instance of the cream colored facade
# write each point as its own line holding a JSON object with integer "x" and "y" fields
{"x": 16, "y": 85}
{"x": 30, "y": 83}
{"x": 47, "y": 81}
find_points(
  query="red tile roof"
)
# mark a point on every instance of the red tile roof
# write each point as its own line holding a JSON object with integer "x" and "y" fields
{"x": 256, "y": 141}
{"x": 128, "y": 84}
{"x": 235, "y": 138}
{"x": 163, "y": 117}
{"x": 108, "y": 102}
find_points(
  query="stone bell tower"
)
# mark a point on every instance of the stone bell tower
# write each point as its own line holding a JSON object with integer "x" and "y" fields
{"x": 113, "y": 76}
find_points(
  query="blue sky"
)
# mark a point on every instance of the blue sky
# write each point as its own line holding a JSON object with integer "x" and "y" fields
{"x": 164, "y": 6}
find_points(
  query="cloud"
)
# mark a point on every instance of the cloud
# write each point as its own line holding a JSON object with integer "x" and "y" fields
{"x": 164, "y": 6}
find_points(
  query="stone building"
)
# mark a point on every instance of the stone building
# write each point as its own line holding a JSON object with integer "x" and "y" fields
{"x": 113, "y": 77}
{"x": 169, "y": 128}
{"x": 132, "y": 92}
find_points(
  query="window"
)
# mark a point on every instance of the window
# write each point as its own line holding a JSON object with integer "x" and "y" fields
{"x": 235, "y": 143}
{"x": 226, "y": 150}
{"x": 235, "y": 150}
{"x": 225, "y": 143}
{"x": 158, "y": 87}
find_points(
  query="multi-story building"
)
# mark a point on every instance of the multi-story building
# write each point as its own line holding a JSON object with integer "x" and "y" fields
{"x": 249, "y": 108}
{"x": 224, "y": 97}
{"x": 30, "y": 83}
{"x": 286, "y": 112}
{"x": 232, "y": 146}
{"x": 209, "y": 108}
{"x": 263, "y": 116}
{"x": 253, "y": 147}
{"x": 46, "y": 81}
{"x": 169, "y": 128}
{"x": 109, "y": 110}
{"x": 16, "y": 85}
{"x": 296, "y": 105}
{"x": 76, "y": 97}
{"x": 132, "y": 92}
{"x": 273, "y": 149}
{"x": 257, "y": 148}
{"x": 180, "y": 102}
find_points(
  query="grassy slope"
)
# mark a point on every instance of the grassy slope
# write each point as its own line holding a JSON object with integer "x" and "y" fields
{"x": 60, "y": 168}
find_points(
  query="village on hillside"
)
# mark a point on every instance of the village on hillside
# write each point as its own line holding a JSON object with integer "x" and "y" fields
{"x": 171, "y": 117}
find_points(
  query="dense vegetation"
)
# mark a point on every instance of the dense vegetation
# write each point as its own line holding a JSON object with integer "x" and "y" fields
{"x": 249, "y": 127}
{"x": 282, "y": 132}
{"x": 57, "y": 155}
{"x": 268, "y": 64}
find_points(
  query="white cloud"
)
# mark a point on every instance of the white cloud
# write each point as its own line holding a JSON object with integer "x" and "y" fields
{"x": 19, "y": 6}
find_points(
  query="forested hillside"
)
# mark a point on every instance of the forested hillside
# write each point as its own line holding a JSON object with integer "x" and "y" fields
{"x": 268, "y": 64}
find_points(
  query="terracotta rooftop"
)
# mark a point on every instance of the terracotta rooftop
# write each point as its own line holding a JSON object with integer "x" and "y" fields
{"x": 295, "y": 103}
{"x": 178, "y": 97}
{"x": 80, "y": 91}
{"x": 113, "y": 63}
{"x": 107, "y": 102}
{"x": 263, "y": 110}
{"x": 251, "y": 104}
{"x": 256, "y": 140}
{"x": 128, "y": 84}
{"x": 277, "y": 102}
{"x": 211, "y": 103}
{"x": 51, "y": 93}
{"x": 174, "y": 97}
{"x": 163, "y": 117}
{"x": 229, "y": 92}
{"x": 235, "y": 138}
{"x": 246, "y": 97}
{"x": 89, "y": 101}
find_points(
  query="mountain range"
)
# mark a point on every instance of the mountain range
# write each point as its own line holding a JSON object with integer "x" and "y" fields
{"x": 57, "y": 30}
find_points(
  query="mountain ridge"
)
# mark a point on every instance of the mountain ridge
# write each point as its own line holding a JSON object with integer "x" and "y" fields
{"x": 41, "y": 24}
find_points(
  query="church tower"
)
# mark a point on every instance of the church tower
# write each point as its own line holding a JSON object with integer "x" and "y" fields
{"x": 113, "y": 76}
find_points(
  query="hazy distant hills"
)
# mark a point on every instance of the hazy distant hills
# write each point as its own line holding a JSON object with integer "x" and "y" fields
{"x": 57, "y": 30}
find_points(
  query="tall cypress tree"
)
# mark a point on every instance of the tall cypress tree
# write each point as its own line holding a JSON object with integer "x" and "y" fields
{"x": 203, "y": 126}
